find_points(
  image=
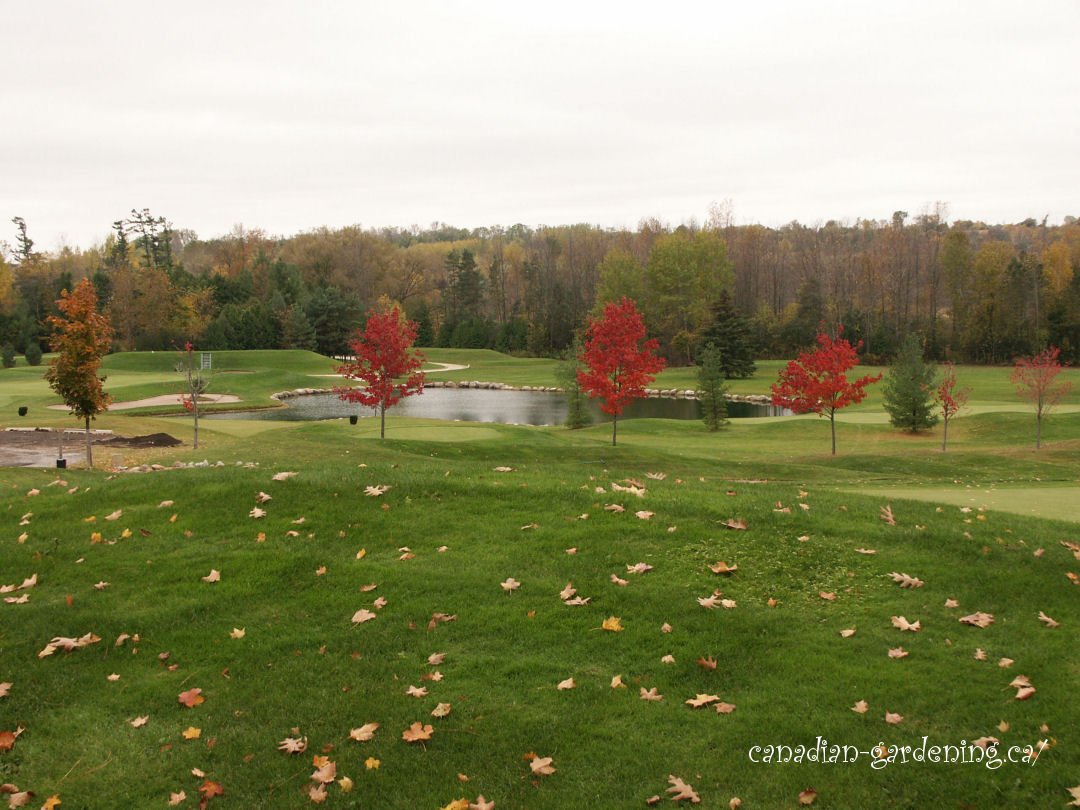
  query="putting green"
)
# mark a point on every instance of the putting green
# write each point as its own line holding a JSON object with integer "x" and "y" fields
{"x": 1056, "y": 502}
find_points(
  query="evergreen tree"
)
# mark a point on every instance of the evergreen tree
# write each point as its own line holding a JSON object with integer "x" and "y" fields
{"x": 566, "y": 374}
{"x": 33, "y": 354}
{"x": 730, "y": 333}
{"x": 425, "y": 335}
{"x": 712, "y": 389}
{"x": 7, "y": 355}
{"x": 908, "y": 391}
{"x": 297, "y": 331}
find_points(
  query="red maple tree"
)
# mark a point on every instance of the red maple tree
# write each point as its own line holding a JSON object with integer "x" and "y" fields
{"x": 1034, "y": 379}
{"x": 618, "y": 365}
{"x": 383, "y": 354}
{"x": 950, "y": 399}
{"x": 816, "y": 382}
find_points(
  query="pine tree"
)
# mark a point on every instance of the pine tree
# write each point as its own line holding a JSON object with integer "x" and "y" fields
{"x": 908, "y": 390}
{"x": 712, "y": 389}
{"x": 730, "y": 333}
{"x": 297, "y": 331}
{"x": 577, "y": 411}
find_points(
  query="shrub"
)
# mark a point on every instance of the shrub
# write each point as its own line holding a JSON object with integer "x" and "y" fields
{"x": 33, "y": 354}
{"x": 7, "y": 355}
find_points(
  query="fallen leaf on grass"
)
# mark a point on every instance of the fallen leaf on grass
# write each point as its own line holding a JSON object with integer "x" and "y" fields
{"x": 828, "y": 596}
{"x": 293, "y": 745}
{"x": 238, "y": 632}
{"x": 639, "y": 568}
{"x": 701, "y": 700}
{"x": 899, "y": 652}
{"x": 706, "y": 663}
{"x": 666, "y": 628}
{"x": 905, "y": 581}
{"x": 114, "y": 515}
{"x": 435, "y": 659}
{"x": 510, "y": 584}
{"x": 542, "y": 766}
{"x": 735, "y": 523}
{"x": 644, "y": 514}
{"x": 257, "y": 513}
{"x": 892, "y": 718}
{"x": 364, "y": 733}
{"x": 191, "y": 698}
{"x": 651, "y": 694}
{"x": 978, "y": 619}
{"x": 208, "y": 790}
{"x": 612, "y": 623}
{"x": 681, "y": 791}
{"x": 416, "y": 691}
{"x": 860, "y": 707}
{"x": 866, "y": 551}
{"x": 191, "y": 733}
{"x": 482, "y": 804}
{"x": 807, "y": 796}
{"x": 668, "y": 659}
{"x": 723, "y": 568}
{"x": 567, "y": 684}
{"x": 4, "y": 688}
{"x": 900, "y": 623}
{"x": 951, "y": 603}
{"x": 177, "y": 798}
{"x": 281, "y": 476}
{"x": 887, "y": 515}
{"x": 363, "y": 615}
{"x": 376, "y": 491}
{"x": 213, "y": 576}
{"x": 441, "y": 710}
{"x": 724, "y": 708}
{"x": 614, "y": 507}
{"x": 617, "y": 682}
{"x": 980, "y": 654}
{"x": 1047, "y": 620}
{"x": 417, "y": 732}
{"x": 316, "y": 792}
{"x": 138, "y": 722}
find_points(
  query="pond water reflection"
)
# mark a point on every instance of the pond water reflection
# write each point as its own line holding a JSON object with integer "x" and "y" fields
{"x": 482, "y": 405}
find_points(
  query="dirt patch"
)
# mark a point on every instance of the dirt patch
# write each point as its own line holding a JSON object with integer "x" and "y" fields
{"x": 37, "y": 447}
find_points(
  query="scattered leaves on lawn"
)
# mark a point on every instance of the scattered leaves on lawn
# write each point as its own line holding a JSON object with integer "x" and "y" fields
{"x": 417, "y": 732}
{"x": 905, "y": 581}
{"x": 541, "y": 766}
{"x": 191, "y": 698}
{"x": 978, "y": 619}
{"x": 293, "y": 745}
{"x": 680, "y": 791}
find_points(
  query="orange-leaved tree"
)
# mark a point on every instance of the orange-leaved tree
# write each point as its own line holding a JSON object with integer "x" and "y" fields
{"x": 618, "y": 365}
{"x": 816, "y": 382}
{"x": 385, "y": 361}
{"x": 81, "y": 337}
{"x": 1034, "y": 379}
{"x": 950, "y": 399}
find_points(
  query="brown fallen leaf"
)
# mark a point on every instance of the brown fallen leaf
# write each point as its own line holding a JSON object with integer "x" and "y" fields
{"x": 622, "y": 583}
{"x": 900, "y": 623}
{"x": 709, "y": 602}
{"x": 138, "y": 722}
{"x": 567, "y": 684}
{"x": 417, "y": 732}
{"x": 510, "y": 584}
{"x": 651, "y": 694}
{"x": 614, "y": 507}
{"x": 441, "y": 710}
{"x": 176, "y": 798}
{"x": 639, "y": 568}
{"x": 978, "y": 619}
{"x": 293, "y": 745}
{"x": 257, "y": 513}
{"x": 701, "y": 700}
{"x": 847, "y": 633}
{"x": 281, "y": 476}
{"x": 1005, "y": 663}
{"x": 542, "y": 766}
{"x": 706, "y": 663}
{"x": 1047, "y": 620}
{"x": 951, "y": 603}
{"x": 416, "y": 691}
{"x": 985, "y": 742}
{"x": 899, "y": 652}
{"x": 5, "y": 688}
{"x": 892, "y": 718}
{"x": 364, "y": 733}
{"x": 213, "y": 576}
{"x": 887, "y": 515}
{"x": 363, "y": 615}
{"x": 724, "y": 708}
{"x": 723, "y": 568}
{"x": 828, "y": 596}
{"x": 435, "y": 659}
{"x": 735, "y": 523}
{"x": 980, "y": 654}
{"x": 482, "y": 804}
{"x": 807, "y": 796}
{"x": 860, "y": 707}
{"x": 866, "y": 551}
{"x": 680, "y": 791}
{"x": 905, "y": 581}
{"x": 238, "y": 632}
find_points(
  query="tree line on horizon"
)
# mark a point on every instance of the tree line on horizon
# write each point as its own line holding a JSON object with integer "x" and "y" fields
{"x": 972, "y": 292}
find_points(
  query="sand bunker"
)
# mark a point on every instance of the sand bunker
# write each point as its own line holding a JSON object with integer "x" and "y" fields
{"x": 164, "y": 399}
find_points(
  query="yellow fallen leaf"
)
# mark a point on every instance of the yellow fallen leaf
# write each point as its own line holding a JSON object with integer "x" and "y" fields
{"x": 238, "y": 632}
{"x": 371, "y": 764}
{"x": 191, "y": 733}
{"x": 612, "y": 623}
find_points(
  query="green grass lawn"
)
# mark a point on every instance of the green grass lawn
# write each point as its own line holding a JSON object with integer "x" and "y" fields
{"x": 451, "y": 527}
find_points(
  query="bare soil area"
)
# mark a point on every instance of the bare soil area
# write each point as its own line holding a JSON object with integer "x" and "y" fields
{"x": 38, "y": 447}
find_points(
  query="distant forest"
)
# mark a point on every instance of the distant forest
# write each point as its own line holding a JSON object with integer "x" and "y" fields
{"x": 974, "y": 292}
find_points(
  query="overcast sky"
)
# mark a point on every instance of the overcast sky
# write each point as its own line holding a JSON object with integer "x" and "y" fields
{"x": 287, "y": 116}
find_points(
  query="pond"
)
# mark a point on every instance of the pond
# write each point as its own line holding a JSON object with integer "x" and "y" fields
{"x": 483, "y": 405}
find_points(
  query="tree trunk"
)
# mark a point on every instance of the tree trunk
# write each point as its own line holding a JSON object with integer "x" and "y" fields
{"x": 832, "y": 425}
{"x": 89, "y": 452}
{"x": 1038, "y": 431}
{"x": 945, "y": 434}
{"x": 382, "y": 420}
{"x": 195, "y": 412}
{"x": 614, "y": 428}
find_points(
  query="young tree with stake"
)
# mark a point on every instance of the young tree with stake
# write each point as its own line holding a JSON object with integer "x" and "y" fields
{"x": 618, "y": 365}
{"x": 816, "y": 382}
{"x": 383, "y": 353}
{"x": 82, "y": 336}
{"x": 950, "y": 399}
{"x": 1034, "y": 379}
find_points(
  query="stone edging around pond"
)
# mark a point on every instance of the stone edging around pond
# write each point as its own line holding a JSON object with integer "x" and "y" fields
{"x": 652, "y": 393}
